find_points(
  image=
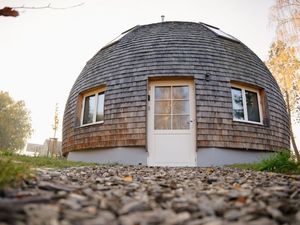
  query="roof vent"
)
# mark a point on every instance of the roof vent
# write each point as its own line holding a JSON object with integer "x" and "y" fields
{"x": 162, "y": 18}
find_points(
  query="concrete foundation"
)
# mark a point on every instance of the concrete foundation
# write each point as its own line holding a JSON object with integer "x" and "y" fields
{"x": 222, "y": 156}
{"x": 121, "y": 155}
{"x": 139, "y": 155}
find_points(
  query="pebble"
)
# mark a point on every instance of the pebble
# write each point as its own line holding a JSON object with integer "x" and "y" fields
{"x": 152, "y": 196}
{"x": 77, "y": 197}
{"x": 103, "y": 218}
{"x": 53, "y": 187}
{"x": 211, "y": 179}
{"x": 232, "y": 215}
{"x": 143, "y": 218}
{"x": 41, "y": 214}
{"x": 297, "y": 217}
{"x": 275, "y": 213}
{"x": 179, "y": 218}
{"x": 133, "y": 207}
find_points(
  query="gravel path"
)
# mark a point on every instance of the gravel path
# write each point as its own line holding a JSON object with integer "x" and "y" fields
{"x": 152, "y": 195}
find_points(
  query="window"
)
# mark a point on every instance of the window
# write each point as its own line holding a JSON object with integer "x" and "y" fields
{"x": 171, "y": 108}
{"x": 220, "y": 33}
{"x": 246, "y": 104}
{"x": 93, "y": 108}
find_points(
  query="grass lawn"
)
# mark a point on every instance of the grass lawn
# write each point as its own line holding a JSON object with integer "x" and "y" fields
{"x": 14, "y": 168}
{"x": 281, "y": 162}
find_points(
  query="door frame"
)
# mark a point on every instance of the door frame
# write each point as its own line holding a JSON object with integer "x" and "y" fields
{"x": 170, "y": 81}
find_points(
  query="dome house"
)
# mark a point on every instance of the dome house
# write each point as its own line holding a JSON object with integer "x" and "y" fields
{"x": 174, "y": 94}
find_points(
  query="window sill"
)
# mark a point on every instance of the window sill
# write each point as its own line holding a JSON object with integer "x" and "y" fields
{"x": 249, "y": 122}
{"x": 91, "y": 124}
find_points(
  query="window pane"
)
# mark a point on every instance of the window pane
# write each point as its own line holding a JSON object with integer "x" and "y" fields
{"x": 181, "y": 122}
{"x": 162, "y": 92}
{"x": 237, "y": 103}
{"x": 162, "y": 122}
{"x": 100, "y": 107}
{"x": 89, "y": 107}
{"x": 252, "y": 106}
{"x": 180, "y": 92}
{"x": 162, "y": 107}
{"x": 181, "y": 107}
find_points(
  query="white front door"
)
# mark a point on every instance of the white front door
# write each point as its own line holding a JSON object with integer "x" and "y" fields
{"x": 171, "y": 124}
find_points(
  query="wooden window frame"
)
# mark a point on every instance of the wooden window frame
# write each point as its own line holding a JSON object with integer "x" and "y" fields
{"x": 171, "y": 99}
{"x": 244, "y": 88}
{"x": 96, "y": 93}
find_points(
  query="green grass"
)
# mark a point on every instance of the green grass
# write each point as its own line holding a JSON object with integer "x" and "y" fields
{"x": 281, "y": 162}
{"x": 14, "y": 168}
{"x": 42, "y": 161}
{"x": 11, "y": 172}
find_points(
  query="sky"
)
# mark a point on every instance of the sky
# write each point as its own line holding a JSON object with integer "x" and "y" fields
{"x": 43, "y": 50}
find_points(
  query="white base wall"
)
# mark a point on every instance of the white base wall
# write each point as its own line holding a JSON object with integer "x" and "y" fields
{"x": 222, "y": 156}
{"x": 138, "y": 156}
{"x": 121, "y": 155}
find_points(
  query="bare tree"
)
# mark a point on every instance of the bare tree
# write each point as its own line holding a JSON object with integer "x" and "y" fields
{"x": 285, "y": 15}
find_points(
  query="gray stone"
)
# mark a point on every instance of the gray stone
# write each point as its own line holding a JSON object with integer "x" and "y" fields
{"x": 45, "y": 177}
{"x": 77, "y": 215}
{"x": 146, "y": 218}
{"x": 133, "y": 207}
{"x": 54, "y": 173}
{"x": 263, "y": 221}
{"x": 180, "y": 218}
{"x": 103, "y": 218}
{"x": 77, "y": 197}
{"x": 70, "y": 204}
{"x": 54, "y": 187}
{"x": 232, "y": 215}
{"x": 41, "y": 214}
{"x": 212, "y": 179}
{"x": 156, "y": 195}
{"x": 297, "y": 216}
{"x": 275, "y": 213}
{"x": 233, "y": 194}
{"x": 214, "y": 222}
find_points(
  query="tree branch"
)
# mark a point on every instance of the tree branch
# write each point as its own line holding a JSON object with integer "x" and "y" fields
{"x": 13, "y": 11}
{"x": 49, "y": 6}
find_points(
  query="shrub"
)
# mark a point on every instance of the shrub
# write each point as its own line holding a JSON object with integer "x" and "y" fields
{"x": 282, "y": 162}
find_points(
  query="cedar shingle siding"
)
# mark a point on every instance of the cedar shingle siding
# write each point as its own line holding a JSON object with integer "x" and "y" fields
{"x": 175, "y": 49}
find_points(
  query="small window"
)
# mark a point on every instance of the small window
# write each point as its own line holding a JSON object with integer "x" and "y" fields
{"x": 93, "y": 108}
{"x": 220, "y": 33}
{"x": 246, "y": 104}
